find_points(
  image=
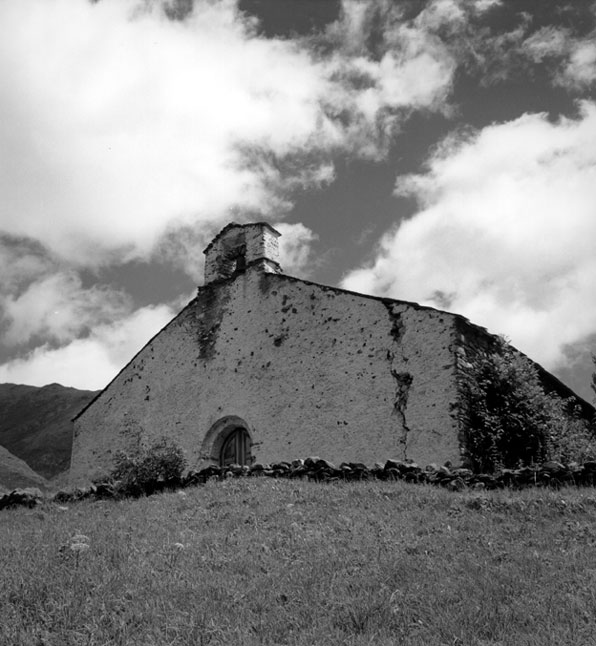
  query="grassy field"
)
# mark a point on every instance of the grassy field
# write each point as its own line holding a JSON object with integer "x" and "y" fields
{"x": 260, "y": 561}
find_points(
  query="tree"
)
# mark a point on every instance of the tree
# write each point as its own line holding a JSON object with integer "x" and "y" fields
{"x": 511, "y": 418}
{"x": 513, "y": 421}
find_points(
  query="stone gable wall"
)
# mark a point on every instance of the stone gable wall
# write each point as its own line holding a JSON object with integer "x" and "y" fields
{"x": 312, "y": 370}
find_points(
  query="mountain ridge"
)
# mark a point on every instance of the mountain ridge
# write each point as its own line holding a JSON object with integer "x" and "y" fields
{"x": 16, "y": 473}
{"x": 36, "y": 424}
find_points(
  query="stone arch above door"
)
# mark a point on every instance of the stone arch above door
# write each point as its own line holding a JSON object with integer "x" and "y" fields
{"x": 228, "y": 441}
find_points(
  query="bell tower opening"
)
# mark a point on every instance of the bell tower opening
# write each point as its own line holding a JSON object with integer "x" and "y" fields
{"x": 239, "y": 260}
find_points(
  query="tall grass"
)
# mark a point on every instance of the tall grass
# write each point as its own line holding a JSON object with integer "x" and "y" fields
{"x": 259, "y": 561}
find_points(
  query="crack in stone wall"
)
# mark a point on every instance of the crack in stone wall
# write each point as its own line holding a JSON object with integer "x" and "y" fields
{"x": 397, "y": 328}
{"x": 404, "y": 381}
{"x": 402, "y": 378}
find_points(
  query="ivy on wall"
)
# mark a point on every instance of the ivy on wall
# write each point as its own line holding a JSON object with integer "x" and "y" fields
{"x": 513, "y": 421}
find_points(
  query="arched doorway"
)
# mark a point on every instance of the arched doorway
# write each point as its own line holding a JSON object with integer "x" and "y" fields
{"x": 228, "y": 441}
{"x": 236, "y": 448}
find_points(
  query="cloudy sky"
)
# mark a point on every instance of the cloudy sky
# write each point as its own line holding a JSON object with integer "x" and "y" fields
{"x": 439, "y": 151}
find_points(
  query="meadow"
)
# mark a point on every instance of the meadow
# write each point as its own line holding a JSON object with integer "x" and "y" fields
{"x": 265, "y": 561}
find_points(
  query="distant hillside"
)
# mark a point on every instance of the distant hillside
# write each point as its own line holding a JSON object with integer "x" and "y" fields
{"x": 35, "y": 424}
{"x": 16, "y": 473}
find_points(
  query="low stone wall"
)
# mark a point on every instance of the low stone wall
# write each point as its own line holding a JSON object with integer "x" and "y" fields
{"x": 553, "y": 474}
{"x": 549, "y": 474}
{"x": 28, "y": 497}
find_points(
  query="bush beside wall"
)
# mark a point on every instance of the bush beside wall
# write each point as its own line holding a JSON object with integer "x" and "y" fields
{"x": 513, "y": 421}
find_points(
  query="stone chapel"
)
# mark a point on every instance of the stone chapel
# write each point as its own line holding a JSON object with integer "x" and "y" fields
{"x": 265, "y": 367}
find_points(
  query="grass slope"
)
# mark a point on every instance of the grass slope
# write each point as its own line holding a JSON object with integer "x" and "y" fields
{"x": 36, "y": 424}
{"x": 15, "y": 473}
{"x": 262, "y": 561}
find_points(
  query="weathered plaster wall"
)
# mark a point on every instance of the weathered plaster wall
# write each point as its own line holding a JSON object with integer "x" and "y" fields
{"x": 312, "y": 370}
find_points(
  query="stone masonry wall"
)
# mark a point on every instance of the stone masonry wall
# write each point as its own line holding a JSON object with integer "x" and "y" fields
{"x": 311, "y": 370}
{"x": 256, "y": 242}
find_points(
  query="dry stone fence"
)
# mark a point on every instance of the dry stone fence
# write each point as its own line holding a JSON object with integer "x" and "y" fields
{"x": 550, "y": 474}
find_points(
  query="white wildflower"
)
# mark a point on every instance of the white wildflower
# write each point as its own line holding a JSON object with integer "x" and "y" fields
{"x": 79, "y": 547}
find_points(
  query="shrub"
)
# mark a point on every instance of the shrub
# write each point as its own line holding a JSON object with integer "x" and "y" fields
{"x": 513, "y": 421}
{"x": 572, "y": 438}
{"x": 147, "y": 469}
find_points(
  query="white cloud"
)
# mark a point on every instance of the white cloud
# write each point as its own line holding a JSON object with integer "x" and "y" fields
{"x": 91, "y": 362}
{"x": 505, "y": 234}
{"x": 574, "y": 57}
{"x": 114, "y": 125}
{"x": 117, "y": 124}
{"x": 482, "y": 6}
{"x": 21, "y": 263}
{"x": 295, "y": 248}
{"x": 443, "y": 12}
{"x": 547, "y": 42}
{"x": 58, "y": 308}
{"x": 126, "y": 135}
{"x": 412, "y": 69}
{"x": 580, "y": 70}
